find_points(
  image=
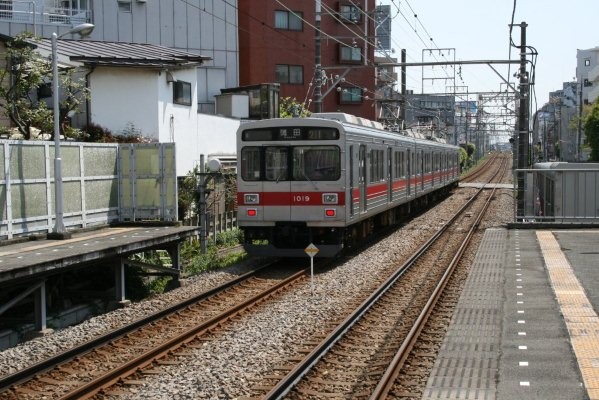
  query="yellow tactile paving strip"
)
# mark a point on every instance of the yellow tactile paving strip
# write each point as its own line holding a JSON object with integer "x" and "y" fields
{"x": 581, "y": 320}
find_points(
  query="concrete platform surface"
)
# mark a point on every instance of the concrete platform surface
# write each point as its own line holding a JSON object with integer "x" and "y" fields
{"x": 526, "y": 326}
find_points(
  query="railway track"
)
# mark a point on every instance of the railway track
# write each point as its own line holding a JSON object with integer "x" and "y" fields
{"x": 363, "y": 355}
{"x": 97, "y": 365}
{"x": 58, "y": 382}
{"x": 477, "y": 174}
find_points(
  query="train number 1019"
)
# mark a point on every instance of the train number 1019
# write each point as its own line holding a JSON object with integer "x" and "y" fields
{"x": 301, "y": 198}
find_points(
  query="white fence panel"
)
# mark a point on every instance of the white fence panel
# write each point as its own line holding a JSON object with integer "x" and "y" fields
{"x": 93, "y": 188}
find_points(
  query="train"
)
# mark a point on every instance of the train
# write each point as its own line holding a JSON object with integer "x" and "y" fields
{"x": 329, "y": 181}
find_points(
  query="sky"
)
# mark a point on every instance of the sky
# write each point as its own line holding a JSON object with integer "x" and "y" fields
{"x": 479, "y": 30}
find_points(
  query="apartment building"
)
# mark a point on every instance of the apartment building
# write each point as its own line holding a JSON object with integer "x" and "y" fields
{"x": 278, "y": 42}
{"x": 587, "y": 72}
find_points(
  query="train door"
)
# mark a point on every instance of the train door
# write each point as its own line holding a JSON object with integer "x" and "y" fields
{"x": 422, "y": 170}
{"x": 351, "y": 181}
{"x": 362, "y": 178}
{"x": 409, "y": 160}
{"x": 390, "y": 176}
{"x": 436, "y": 164}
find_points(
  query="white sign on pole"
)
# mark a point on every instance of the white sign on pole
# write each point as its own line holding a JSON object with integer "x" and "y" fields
{"x": 311, "y": 251}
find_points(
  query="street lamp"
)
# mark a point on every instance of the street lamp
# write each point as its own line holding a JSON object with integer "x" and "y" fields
{"x": 59, "y": 231}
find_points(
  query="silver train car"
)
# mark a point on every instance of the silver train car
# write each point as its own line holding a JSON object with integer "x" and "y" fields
{"x": 331, "y": 180}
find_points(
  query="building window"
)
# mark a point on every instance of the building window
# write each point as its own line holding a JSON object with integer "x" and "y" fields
{"x": 351, "y": 95}
{"x": 349, "y": 54}
{"x": 182, "y": 93}
{"x": 350, "y": 13}
{"x": 124, "y": 6}
{"x": 289, "y": 74}
{"x": 587, "y": 62}
{"x": 289, "y": 20}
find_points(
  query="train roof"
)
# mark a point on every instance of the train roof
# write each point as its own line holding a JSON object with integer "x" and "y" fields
{"x": 349, "y": 121}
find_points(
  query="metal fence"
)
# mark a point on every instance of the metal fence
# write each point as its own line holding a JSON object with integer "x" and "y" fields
{"x": 223, "y": 222}
{"x": 31, "y": 12}
{"x": 102, "y": 183}
{"x": 558, "y": 193}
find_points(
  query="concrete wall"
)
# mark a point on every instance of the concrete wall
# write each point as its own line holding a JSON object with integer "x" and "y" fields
{"x": 125, "y": 98}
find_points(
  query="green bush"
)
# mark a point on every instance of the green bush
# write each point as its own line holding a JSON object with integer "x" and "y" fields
{"x": 158, "y": 285}
{"x": 195, "y": 262}
{"x": 229, "y": 238}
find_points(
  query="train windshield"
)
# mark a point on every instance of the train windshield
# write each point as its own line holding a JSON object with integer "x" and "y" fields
{"x": 276, "y": 163}
{"x": 306, "y": 163}
{"x": 316, "y": 163}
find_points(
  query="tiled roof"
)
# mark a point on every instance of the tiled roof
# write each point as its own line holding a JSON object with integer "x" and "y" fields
{"x": 91, "y": 52}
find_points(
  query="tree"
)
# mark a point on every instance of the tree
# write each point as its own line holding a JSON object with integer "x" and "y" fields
{"x": 25, "y": 75}
{"x": 289, "y": 107}
{"x": 463, "y": 158}
{"x": 591, "y": 131}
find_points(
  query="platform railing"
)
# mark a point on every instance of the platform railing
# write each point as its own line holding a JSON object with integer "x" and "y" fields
{"x": 557, "y": 196}
{"x": 103, "y": 183}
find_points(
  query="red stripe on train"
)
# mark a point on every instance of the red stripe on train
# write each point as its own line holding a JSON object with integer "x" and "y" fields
{"x": 291, "y": 199}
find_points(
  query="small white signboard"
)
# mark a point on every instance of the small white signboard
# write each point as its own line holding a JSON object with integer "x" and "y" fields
{"x": 311, "y": 251}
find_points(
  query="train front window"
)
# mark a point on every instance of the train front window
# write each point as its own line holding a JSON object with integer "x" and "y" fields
{"x": 276, "y": 163}
{"x": 316, "y": 163}
{"x": 250, "y": 163}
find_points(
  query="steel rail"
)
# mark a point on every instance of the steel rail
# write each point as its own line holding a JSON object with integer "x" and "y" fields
{"x": 27, "y": 373}
{"x": 93, "y": 387}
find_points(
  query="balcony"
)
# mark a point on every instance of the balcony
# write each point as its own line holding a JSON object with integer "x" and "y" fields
{"x": 32, "y": 13}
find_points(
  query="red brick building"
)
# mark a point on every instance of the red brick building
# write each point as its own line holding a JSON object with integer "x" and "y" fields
{"x": 277, "y": 44}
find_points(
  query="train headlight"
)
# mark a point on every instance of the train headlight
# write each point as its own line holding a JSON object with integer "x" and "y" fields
{"x": 251, "y": 198}
{"x": 330, "y": 212}
{"x": 329, "y": 198}
{"x": 252, "y": 212}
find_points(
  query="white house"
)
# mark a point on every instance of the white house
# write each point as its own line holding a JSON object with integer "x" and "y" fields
{"x": 197, "y": 27}
{"x": 208, "y": 28}
{"x": 150, "y": 91}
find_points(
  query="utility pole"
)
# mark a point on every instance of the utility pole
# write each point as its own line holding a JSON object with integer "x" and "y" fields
{"x": 523, "y": 122}
{"x": 403, "y": 89}
{"x": 317, "y": 62}
{"x": 579, "y": 128}
{"x": 204, "y": 177}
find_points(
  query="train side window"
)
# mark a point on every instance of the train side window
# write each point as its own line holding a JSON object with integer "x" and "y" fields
{"x": 250, "y": 163}
{"x": 276, "y": 163}
{"x": 376, "y": 166}
{"x": 402, "y": 164}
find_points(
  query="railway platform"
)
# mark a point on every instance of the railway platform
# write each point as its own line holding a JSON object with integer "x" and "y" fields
{"x": 27, "y": 264}
{"x": 526, "y": 325}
